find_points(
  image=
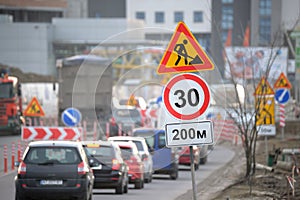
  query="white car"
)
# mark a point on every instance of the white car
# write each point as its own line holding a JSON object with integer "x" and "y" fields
{"x": 144, "y": 153}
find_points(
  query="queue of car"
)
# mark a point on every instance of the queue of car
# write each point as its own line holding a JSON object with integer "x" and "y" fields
{"x": 55, "y": 169}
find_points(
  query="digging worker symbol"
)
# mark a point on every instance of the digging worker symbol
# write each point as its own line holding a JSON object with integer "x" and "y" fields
{"x": 182, "y": 53}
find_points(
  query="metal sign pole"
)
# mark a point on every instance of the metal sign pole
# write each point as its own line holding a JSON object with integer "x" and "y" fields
{"x": 266, "y": 146}
{"x": 193, "y": 173}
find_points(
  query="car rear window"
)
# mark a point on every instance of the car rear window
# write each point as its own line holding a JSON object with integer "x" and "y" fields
{"x": 138, "y": 144}
{"x": 126, "y": 152}
{"x": 102, "y": 151}
{"x": 52, "y": 155}
{"x": 148, "y": 135}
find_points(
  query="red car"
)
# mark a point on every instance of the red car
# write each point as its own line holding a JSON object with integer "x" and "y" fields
{"x": 131, "y": 156}
{"x": 184, "y": 156}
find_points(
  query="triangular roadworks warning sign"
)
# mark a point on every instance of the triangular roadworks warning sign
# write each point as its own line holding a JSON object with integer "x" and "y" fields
{"x": 34, "y": 109}
{"x": 263, "y": 88}
{"x": 184, "y": 54}
{"x": 282, "y": 82}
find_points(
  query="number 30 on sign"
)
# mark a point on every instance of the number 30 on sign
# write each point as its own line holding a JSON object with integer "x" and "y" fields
{"x": 186, "y": 96}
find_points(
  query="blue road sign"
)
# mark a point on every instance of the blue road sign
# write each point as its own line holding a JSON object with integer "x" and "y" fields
{"x": 71, "y": 117}
{"x": 282, "y": 95}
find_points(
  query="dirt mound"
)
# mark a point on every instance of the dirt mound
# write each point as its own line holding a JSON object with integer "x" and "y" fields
{"x": 27, "y": 77}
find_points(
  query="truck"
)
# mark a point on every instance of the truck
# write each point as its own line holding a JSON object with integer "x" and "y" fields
{"x": 10, "y": 104}
{"x": 86, "y": 83}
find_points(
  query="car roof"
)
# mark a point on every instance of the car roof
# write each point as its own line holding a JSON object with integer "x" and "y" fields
{"x": 114, "y": 138}
{"x": 128, "y": 144}
{"x": 100, "y": 142}
{"x": 58, "y": 143}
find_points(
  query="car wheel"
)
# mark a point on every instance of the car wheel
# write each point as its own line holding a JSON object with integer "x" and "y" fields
{"x": 203, "y": 160}
{"x": 196, "y": 166}
{"x": 149, "y": 177}
{"x": 126, "y": 188}
{"x": 120, "y": 189}
{"x": 18, "y": 197}
{"x": 91, "y": 196}
{"x": 174, "y": 175}
{"x": 143, "y": 183}
{"x": 138, "y": 184}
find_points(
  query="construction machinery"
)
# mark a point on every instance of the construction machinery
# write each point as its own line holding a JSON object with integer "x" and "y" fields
{"x": 10, "y": 104}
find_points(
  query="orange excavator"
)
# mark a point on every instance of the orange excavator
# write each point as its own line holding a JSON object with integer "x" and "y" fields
{"x": 10, "y": 104}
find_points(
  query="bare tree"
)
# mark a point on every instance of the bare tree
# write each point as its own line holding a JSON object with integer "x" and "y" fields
{"x": 244, "y": 113}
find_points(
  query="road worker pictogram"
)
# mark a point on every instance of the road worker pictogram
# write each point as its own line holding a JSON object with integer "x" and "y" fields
{"x": 34, "y": 109}
{"x": 263, "y": 88}
{"x": 184, "y": 54}
{"x": 282, "y": 82}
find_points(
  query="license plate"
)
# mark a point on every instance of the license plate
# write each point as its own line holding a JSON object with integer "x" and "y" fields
{"x": 97, "y": 167}
{"x": 51, "y": 182}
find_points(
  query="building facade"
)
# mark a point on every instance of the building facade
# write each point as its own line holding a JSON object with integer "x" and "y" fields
{"x": 269, "y": 21}
{"x": 32, "y": 10}
{"x": 161, "y": 17}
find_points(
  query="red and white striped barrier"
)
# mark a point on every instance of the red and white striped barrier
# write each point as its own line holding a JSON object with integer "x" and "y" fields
{"x": 13, "y": 147}
{"x": 281, "y": 115}
{"x": 227, "y": 130}
{"x": 30, "y": 133}
{"x": 5, "y": 159}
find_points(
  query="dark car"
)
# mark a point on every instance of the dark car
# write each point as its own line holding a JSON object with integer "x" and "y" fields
{"x": 128, "y": 116}
{"x": 165, "y": 160}
{"x": 109, "y": 168}
{"x": 54, "y": 170}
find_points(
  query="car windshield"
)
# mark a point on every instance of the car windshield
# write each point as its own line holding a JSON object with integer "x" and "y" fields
{"x": 52, "y": 155}
{"x": 127, "y": 115}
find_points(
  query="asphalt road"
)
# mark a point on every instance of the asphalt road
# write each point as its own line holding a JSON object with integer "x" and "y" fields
{"x": 161, "y": 188}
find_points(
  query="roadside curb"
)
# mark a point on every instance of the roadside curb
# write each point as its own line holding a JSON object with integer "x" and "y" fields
{"x": 2, "y": 174}
{"x": 211, "y": 187}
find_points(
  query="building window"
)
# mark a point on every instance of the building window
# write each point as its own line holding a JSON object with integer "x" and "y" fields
{"x": 227, "y": 17}
{"x": 178, "y": 16}
{"x": 159, "y": 17}
{"x": 227, "y": 1}
{"x": 198, "y": 16}
{"x": 265, "y": 11}
{"x": 140, "y": 15}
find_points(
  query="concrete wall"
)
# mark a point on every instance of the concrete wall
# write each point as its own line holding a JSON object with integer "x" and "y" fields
{"x": 95, "y": 30}
{"x": 27, "y": 46}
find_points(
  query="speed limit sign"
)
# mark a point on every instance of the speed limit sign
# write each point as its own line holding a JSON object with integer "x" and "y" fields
{"x": 186, "y": 96}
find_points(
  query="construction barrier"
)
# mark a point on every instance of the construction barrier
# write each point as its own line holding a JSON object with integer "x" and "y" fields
{"x": 5, "y": 159}
{"x": 226, "y": 130}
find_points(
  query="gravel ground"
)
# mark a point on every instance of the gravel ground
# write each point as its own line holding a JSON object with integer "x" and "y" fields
{"x": 213, "y": 186}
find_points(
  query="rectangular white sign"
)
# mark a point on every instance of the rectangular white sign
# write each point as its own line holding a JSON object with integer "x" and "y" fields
{"x": 266, "y": 130}
{"x": 189, "y": 133}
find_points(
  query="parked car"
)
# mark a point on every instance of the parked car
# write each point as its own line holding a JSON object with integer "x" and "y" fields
{"x": 136, "y": 168}
{"x": 54, "y": 169}
{"x": 144, "y": 153}
{"x": 165, "y": 160}
{"x": 109, "y": 168}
